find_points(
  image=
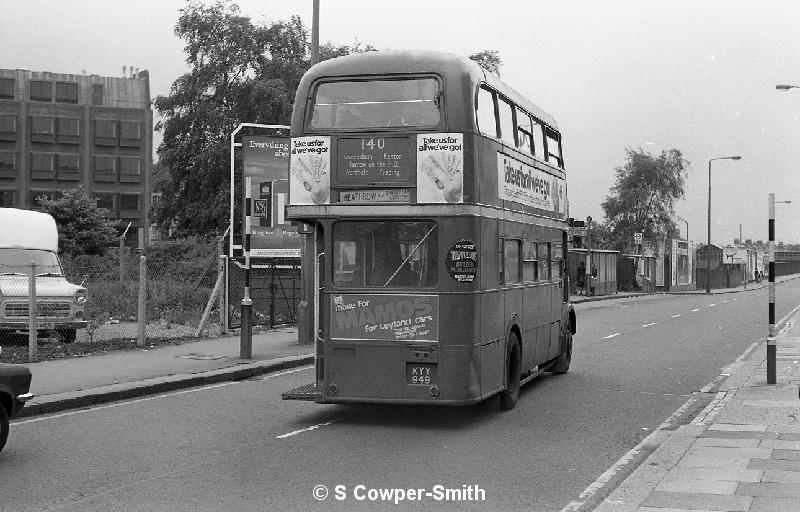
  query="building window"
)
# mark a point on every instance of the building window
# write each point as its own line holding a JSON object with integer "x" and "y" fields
{"x": 8, "y": 164}
{"x": 6, "y": 88}
{"x": 68, "y": 167}
{"x": 106, "y": 200}
{"x": 69, "y": 130}
{"x": 41, "y": 90}
{"x": 97, "y": 94}
{"x": 7, "y": 199}
{"x": 8, "y": 127}
{"x": 130, "y": 169}
{"x": 129, "y": 202}
{"x": 66, "y": 92}
{"x": 105, "y": 168}
{"x": 130, "y": 133}
{"x": 105, "y": 132}
{"x": 38, "y": 195}
{"x": 42, "y": 166}
{"x": 43, "y": 126}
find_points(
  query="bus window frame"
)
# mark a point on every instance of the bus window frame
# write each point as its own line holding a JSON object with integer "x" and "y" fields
{"x": 440, "y": 100}
{"x": 495, "y": 111}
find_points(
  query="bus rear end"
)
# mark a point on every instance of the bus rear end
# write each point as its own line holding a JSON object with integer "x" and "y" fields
{"x": 390, "y": 258}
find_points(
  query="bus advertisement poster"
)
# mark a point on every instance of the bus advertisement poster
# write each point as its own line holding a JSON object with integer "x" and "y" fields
{"x": 462, "y": 261}
{"x": 310, "y": 170}
{"x": 518, "y": 181}
{"x": 440, "y": 168}
{"x": 385, "y": 317}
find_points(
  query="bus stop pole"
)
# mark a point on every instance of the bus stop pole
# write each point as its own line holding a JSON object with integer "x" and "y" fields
{"x": 246, "y": 336}
{"x": 771, "y": 346}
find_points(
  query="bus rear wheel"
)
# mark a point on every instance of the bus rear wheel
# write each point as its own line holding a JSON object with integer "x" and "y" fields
{"x": 510, "y": 395}
{"x": 565, "y": 358}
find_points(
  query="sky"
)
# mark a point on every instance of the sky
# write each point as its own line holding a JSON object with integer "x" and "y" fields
{"x": 695, "y": 76}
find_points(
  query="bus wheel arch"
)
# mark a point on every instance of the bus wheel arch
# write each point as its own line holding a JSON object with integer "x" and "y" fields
{"x": 513, "y": 371}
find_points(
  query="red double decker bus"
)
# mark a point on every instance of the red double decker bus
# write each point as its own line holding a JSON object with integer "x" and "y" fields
{"x": 432, "y": 200}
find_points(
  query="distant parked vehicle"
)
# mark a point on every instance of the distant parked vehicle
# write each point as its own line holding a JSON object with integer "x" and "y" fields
{"x": 15, "y": 382}
{"x": 25, "y": 237}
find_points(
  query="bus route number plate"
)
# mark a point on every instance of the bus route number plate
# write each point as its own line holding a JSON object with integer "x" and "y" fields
{"x": 421, "y": 374}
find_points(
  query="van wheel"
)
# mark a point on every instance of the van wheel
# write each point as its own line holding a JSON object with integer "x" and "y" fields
{"x": 565, "y": 358}
{"x": 3, "y": 427}
{"x": 510, "y": 395}
{"x": 66, "y": 335}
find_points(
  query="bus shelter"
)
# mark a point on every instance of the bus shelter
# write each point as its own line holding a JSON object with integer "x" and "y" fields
{"x": 604, "y": 261}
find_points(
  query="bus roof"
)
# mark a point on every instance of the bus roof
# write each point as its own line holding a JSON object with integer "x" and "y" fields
{"x": 449, "y": 65}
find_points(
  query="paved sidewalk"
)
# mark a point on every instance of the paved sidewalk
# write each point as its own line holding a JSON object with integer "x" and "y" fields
{"x": 741, "y": 453}
{"x": 77, "y": 382}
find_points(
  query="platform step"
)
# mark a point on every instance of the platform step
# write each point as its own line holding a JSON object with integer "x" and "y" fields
{"x": 304, "y": 392}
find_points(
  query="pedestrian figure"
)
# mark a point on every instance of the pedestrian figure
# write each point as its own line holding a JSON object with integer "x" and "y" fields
{"x": 593, "y": 279}
{"x": 580, "y": 281}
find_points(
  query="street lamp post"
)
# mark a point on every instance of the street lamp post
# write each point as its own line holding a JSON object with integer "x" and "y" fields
{"x": 708, "y": 246}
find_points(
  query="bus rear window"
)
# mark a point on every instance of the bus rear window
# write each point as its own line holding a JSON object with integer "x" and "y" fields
{"x": 365, "y": 104}
{"x": 384, "y": 254}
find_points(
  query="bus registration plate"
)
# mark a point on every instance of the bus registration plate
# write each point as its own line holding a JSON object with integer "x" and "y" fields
{"x": 421, "y": 374}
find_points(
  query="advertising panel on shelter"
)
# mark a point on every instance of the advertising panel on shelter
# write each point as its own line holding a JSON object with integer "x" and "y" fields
{"x": 265, "y": 160}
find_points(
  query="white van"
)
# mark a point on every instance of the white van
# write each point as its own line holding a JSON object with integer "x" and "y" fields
{"x": 27, "y": 236}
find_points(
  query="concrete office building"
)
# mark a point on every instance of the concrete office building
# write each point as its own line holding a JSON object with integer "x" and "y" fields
{"x": 61, "y": 131}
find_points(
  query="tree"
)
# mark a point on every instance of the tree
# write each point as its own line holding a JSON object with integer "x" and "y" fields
{"x": 488, "y": 60}
{"x": 643, "y": 197}
{"x": 239, "y": 72}
{"x": 83, "y": 228}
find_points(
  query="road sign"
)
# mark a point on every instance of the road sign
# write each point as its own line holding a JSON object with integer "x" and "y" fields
{"x": 637, "y": 238}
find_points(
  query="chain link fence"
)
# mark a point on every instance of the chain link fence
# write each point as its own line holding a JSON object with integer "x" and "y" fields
{"x": 274, "y": 289}
{"x": 181, "y": 288}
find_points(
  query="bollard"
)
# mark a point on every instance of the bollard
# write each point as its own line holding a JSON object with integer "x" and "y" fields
{"x": 771, "y": 347}
{"x": 246, "y": 336}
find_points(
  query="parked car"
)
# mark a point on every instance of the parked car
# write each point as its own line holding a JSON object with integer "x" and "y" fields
{"x": 15, "y": 383}
{"x": 25, "y": 237}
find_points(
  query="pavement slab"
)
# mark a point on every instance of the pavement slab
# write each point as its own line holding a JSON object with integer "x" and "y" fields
{"x": 698, "y": 501}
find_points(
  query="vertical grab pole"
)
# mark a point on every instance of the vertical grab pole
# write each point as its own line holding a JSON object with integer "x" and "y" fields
{"x": 246, "y": 341}
{"x": 771, "y": 346}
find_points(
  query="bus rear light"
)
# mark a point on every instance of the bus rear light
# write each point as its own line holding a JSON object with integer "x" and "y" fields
{"x": 332, "y": 389}
{"x": 434, "y": 390}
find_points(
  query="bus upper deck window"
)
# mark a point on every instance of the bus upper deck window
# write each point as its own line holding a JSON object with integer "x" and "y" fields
{"x": 506, "y": 111}
{"x": 485, "y": 115}
{"x": 365, "y": 104}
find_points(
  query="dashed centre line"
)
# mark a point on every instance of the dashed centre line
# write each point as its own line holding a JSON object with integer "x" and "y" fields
{"x": 696, "y": 309}
{"x": 676, "y": 316}
{"x": 612, "y": 335}
{"x": 648, "y": 325}
{"x": 711, "y": 305}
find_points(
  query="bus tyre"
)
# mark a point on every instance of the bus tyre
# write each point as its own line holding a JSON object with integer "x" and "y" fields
{"x": 510, "y": 395}
{"x": 3, "y": 427}
{"x": 565, "y": 358}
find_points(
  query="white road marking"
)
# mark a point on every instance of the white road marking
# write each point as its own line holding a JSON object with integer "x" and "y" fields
{"x": 676, "y": 316}
{"x": 611, "y": 335}
{"x": 307, "y": 429}
{"x": 154, "y": 397}
{"x": 711, "y": 305}
{"x": 698, "y": 309}
{"x": 117, "y": 404}
{"x": 648, "y": 325}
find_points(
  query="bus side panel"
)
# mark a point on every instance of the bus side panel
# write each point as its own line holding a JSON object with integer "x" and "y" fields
{"x": 492, "y": 363}
{"x": 530, "y": 313}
